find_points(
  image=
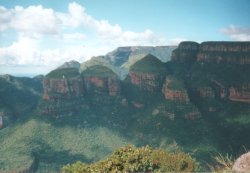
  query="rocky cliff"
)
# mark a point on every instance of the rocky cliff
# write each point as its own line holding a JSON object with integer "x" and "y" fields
{"x": 101, "y": 79}
{"x": 213, "y": 52}
{"x": 240, "y": 93}
{"x": 62, "y": 88}
{"x": 174, "y": 89}
{"x": 64, "y": 84}
{"x": 224, "y": 52}
{"x": 148, "y": 73}
{"x": 185, "y": 52}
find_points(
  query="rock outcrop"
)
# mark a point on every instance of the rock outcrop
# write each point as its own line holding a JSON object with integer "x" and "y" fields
{"x": 93, "y": 79}
{"x": 110, "y": 85}
{"x": 146, "y": 81}
{"x": 173, "y": 89}
{"x": 240, "y": 93}
{"x": 224, "y": 52}
{"x": 242, "y": 164}
{"x": 62, "y": 88}
{"x": 101, "y": 79}
{"x": 185, "y": 52}
{"x": 148, "y": 73}
{"x": 213, "y": 52}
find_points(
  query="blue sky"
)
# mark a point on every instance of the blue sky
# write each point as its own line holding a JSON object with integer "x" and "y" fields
{"x": 38, "y": 35}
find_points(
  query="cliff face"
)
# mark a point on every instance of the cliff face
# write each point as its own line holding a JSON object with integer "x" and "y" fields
{"x": 173, "y": 90}
{"x": 148, "y": 73}
{"x": 146, "y": 81}
{"x": 110, "y": 85}
{"x": 62, "y": 88}
{"x": 213, "y": 52}
{"x": 185, "y": 52}
{"x": 240, "y": 93}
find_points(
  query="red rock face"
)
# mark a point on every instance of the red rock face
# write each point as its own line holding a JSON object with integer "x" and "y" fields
{"x": 206, "y": 92}
{"x": 240, "y": 94}
{"x": 77, "y": 87}
{"x": 174, "y": 94}
{"x": 62, "y": 88}
{"x": 93, "y": 81}
{"x": 146, "y": 81}
{"x": 110, "y": 85}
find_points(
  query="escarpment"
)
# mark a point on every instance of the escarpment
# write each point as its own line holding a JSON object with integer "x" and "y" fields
{"x": 214, "y": 70}
{"x": 224, "y": 52}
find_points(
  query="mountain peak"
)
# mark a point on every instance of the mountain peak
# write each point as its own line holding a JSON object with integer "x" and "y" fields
{"x": 70, "y": 64}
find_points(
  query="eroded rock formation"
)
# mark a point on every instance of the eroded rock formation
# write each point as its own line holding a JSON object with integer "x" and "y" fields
{"x": 185, "y": 52}
{"x": 62, "y": 88}
{"x": 146, "y": 81}
{"x": 240, "y": 93}
{"x": 173, "y": 89}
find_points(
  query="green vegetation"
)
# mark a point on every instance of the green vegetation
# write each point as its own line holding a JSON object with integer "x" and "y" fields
{"x": 98, "y": 70}
{"x": 143, "y": 159}
{"x": 90, "y": 127}
{"x": 149, "y": 64}
{"x": 49, "y": 144}
{"x": 223, "y": 164}
{"x": 64, "y": 72}
{"x": 176, "y": 83}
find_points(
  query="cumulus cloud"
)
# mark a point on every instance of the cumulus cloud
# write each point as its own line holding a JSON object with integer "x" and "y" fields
{"x": 237, "y": 33}
{"x": 37, "y": 27}
{"x": 74, "y": 36}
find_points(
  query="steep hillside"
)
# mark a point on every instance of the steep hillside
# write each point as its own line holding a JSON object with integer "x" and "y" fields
{"x": 18, "y": 96}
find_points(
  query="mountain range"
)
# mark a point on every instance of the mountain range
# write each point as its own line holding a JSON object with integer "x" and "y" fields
{"x": 194, "y": 98}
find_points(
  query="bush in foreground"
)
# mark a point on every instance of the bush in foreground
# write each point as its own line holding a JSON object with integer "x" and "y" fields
{"x": 132, "y": 159}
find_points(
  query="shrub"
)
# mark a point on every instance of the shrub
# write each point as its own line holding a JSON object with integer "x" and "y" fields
{"x": 132, "y": 159}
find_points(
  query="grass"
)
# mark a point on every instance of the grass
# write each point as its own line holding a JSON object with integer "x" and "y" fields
{"x": 98, "y": 70}
{"x": 65, "y": 72}
{"x": 223, "y": 164}
{"x": 149, "y": 64}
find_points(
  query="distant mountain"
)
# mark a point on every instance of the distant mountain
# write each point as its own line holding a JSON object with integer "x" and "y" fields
{"x": 121, "y": 59}
{"x": 99, "y": 60}
{"x": 128, "y": 55}
{"x": 70, "y": 64}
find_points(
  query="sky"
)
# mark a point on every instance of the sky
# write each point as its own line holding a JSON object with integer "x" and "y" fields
{"x": 36, "y": 36}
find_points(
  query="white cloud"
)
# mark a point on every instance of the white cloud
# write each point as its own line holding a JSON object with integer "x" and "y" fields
{"x": 237, "y": 33}
{"x": 74, "y": 36}
{"x": 4, "y": 18}
{"x": 20, "y": 52}
{"x": 36, "y": 26}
